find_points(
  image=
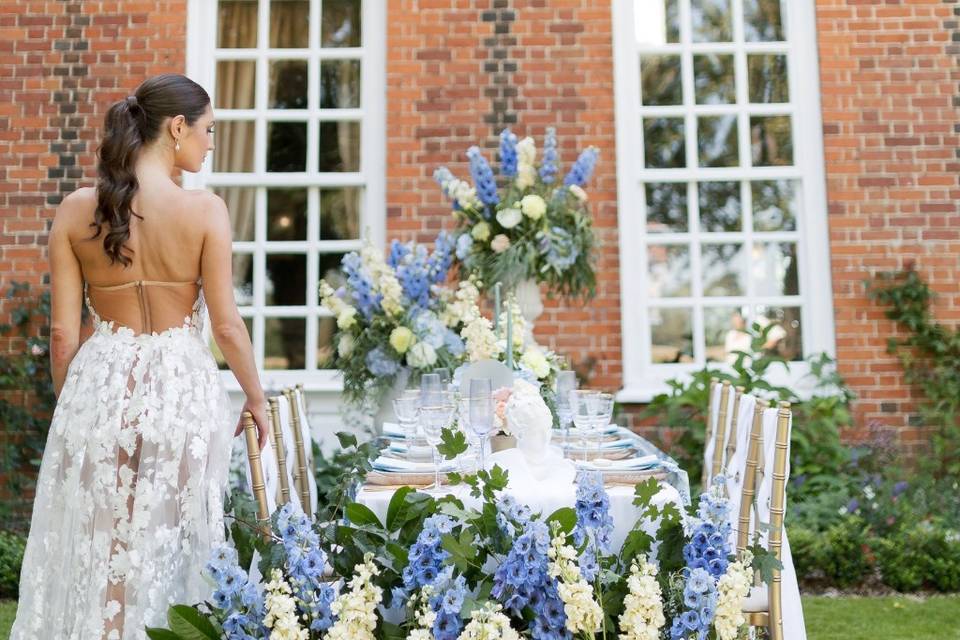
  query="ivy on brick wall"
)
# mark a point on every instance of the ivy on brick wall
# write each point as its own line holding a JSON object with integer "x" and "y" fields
{"x": 930, "y": 356}
{"x": 26, "y": 395}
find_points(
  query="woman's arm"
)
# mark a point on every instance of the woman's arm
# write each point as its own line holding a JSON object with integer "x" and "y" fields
{"x": 66, "y": 295}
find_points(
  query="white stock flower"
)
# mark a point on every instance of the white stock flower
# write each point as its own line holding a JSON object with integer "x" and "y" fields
{"x": 732, "y": 588}
{"x": 383, "y": 278}
{"x": 488, "y": 623}
{"x": 509, "y": 217}
{"x": 422, "y": 356}
{"x": 500, "y": 243}
{"x": 329, "y": 299}
{"x": 281, "y": 610}
{"x": 533, "y": 206}
{"x": 345, "y": 345}
{"x": 578, "y": 191}
{"x": 527, "y": 151}
{"x": 356, "y": 608}
{"x": 526, "y": 176}
{"x": 347, "y": 317}
{"x": 479, "y": 340}
{"x": 642, "y": 615}
{"x": 584, "y": 614}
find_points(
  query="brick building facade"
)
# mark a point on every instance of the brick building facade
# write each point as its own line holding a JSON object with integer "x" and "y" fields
{"x": 440, "y": 75}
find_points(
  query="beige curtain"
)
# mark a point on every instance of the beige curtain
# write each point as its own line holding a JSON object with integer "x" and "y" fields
{"x": 289, "y": 24}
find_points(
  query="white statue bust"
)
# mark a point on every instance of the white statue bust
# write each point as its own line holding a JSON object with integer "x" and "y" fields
{"x": 529, "y": 419}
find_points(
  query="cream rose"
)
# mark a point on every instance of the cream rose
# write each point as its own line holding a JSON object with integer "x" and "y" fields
{"x": 500, "y": 243}
{"x": 509, "y": 218}
{"x": 534, "y": 360}
{"x": 421, "y": 356}
{"x": 480, "y": 232}
{"x": 347, "y": 318}
{"x": 533, "y": 206}
{"x": 400, "y": 339}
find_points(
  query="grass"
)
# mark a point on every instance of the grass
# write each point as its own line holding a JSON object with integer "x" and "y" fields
{"x": 846, "y": 618}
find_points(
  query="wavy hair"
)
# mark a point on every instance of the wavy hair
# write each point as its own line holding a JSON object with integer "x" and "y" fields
{"x": 130, "y": 125}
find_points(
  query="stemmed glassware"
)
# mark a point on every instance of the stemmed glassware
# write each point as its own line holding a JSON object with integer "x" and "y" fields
{"x": 566, "y": 382}
{"x": 481, "y": 410}
{"x": 584, "y": 405}
{"x": 444, "y": 374}
{"x": 604, "y": 407}
{"x": 407, "y": 407}
{"x": 435, "y": 414}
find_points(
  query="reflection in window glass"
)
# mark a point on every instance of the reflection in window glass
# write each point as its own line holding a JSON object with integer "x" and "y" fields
{"x": 234, "y": 150}
{"x": 288, "y": 84}
{"x": 713, "y": 79}
{"x": 666, "y": 207}
{"x": 775, "y": 271}
{"x": 771, "y": 141}
{"x": 663, "y": 143}
{"x": 339, "y": 146}
{"x": 724, "y": 333}
{"x": 330, "y": 269}
{"x": 237, "y": 24}
{"x": 287, "y": 146}
{"x": 286, "y": 282}
{"x": 290, "y": 24}
{"x": 326, "y": 349}
{"x": 774, "y": 205}
{"x": 339, "y": 84}
{"x": 660, "y": 82}
{"x": 340, "y": 23}
{"x": 722, "y": 266}
{"x": 711, "y": 20}
{"x": 284, "y": 343}
{"x": 286, "y": 214}
{"x": 717, "y": 141}
{"x": 243, "y": 278}
{"x": 767, "y": 75}
{"x": 236, "y": 84}
{"x": 719, "y": 206}
{"x": 668, "y": 270}
{"x": 671, "y": 335}
{"x": 340, "y": 213}
{"x": 785, "y": 337}
{"x": 762, "y": 21}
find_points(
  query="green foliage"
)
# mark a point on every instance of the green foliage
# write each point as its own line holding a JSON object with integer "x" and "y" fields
{"x": 12, "y": 547}
{"x": 27, "y": 371}
{"x": 930, "y": 356}
{"x": 186, "y": 623}
{"x": 920, "y": 556}
{"x": 339, "y": 475}
{"x": 453, "y": 443}
{"x": 843, "y": 559}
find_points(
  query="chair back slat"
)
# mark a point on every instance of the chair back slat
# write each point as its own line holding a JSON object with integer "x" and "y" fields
{"x": 302, "y": 484}
{"x": 277, "y": 434}
{"x": 256, "y": 472}
{"x": 750, "y": 478}
{"x": 720, "y": 431}
{"x": 708, "y": 437}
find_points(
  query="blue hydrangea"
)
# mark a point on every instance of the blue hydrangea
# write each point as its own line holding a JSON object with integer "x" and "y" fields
{"x": 508, "y": 153}
{"x": 428, "y": 328}
{"x": 380, "y": 363}
{"x": 453, "y": 343}
{"x": 240, "y": 603}
{"x": 594, "y": 523}
{"x": 483, "y": 178}
{"x": 464, "y": 245}
{"x": 559, "y": 248}
{"x": 548, "y": 168}
{"x": 582, "y": 169}
{"x": 360, "y": 285}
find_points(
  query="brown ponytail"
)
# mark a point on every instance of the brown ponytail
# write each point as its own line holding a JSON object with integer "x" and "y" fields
{"x": 130, "y": 125}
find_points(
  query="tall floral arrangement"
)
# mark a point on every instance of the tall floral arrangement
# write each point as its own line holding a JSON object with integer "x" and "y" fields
{"x": 535, "y": 225}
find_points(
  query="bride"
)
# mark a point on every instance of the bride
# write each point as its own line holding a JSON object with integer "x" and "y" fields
{"x": 129, "y": 495}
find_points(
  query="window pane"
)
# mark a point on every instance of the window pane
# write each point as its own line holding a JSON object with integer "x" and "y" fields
{"x": 786, "y": 337}
{"x": 215, "y": 349}
{"x": 774, "y": 205}
{"x": 243, "y": 279}
{"x": 722, "y": 266}
{"x": 340, "y": 23}
{"x": 241, "y": 202}
{"x": 286, "y": 214}
{"x": 720, "y": 206}
{"x": 668, "y": 270}
{"x": 330, "y": 269}
{"x": 657, "y": 22}
{"x": 289, "y": 24}
{"x": 236, "y": 84}
{"x": 340, "y": 213}
{"x": 660, "y": 80}
{"x": 775, "y": 269}
{"x": 339, "y": 84}
{"x": 663, "y": 143}
{"x": 717, "y": 141}
{"x": 711, "y": 20}
{"x": 724, "y": 333}
{"x": 771, "y": 141}
{"x": 762, "y": 21}
{"x": 284, "y": 343}
{"x": 326, "y": 327}
{"x": 339, "y": 146}
{"x": 237, "y": 24}
{"x": 287, "y": 146}
{"x": 288, "y": 84}
{"x": 666, "y": 207}
{"x": 234, "y": 150}
{"x": 286, "y": 279}
{"x": 671, "y": 335}
{"x": 768, "y": 78}
{"x": 713, "y": 79}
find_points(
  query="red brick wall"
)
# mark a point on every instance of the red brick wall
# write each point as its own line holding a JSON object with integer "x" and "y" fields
{"x": 890, "y": 81}
{"x": 458, "y": 72}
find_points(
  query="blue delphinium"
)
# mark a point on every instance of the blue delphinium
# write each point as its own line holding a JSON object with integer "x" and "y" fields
{"x": 559, "y": 248}
{"x": 700, "y": 601}
{"x": 413, "y": 272}
{"x": 483, "y": 178}
{"x": 508, "y": 153}
{"x": 582, "y": 168}
{"x": 304, "y": 565}
{"x": 426, "y": 555}
{"x": 361, "y": 287}
{"x": 446, "y": 602}
{"x": 398, "y": 251}
{"x": 240, "y": 604}
{"x": 512, "y": 516}
{"x": 438, "y": 265}
{"x": 380, "y": 363}
{"x": 522, "y": 580}
{"x": 548, "y": 168}
{"x": 709, "y": 545}
{"x": 464, "y": 245}
{"x": 594, "y": 523}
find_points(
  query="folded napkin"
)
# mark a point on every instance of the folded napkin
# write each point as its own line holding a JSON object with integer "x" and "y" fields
{"x": 576, "y": 444}
{"x": 642, "y": 462}
{"x": 386, "y": 464}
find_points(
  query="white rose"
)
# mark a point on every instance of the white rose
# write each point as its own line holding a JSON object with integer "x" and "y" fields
{"x": 345, "y": 345}
{"x": 534, "y": 360}
{"x": 347, "y": 318}
{"x": 509, "y": 218}
{"x": 500, "y": 243}
{"x": 533, "y": 206}
{"x": 421, "y": 356}
{"x": 578, "y": 191}
{"x": 480, "y": 232}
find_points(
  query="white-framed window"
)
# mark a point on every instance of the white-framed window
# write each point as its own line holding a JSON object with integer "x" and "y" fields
{"x": 298, "y": 89}
{"x": 721, "y": 193}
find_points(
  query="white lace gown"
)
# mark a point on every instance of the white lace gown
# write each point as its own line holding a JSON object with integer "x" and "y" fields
{"x": 129, "y": 498}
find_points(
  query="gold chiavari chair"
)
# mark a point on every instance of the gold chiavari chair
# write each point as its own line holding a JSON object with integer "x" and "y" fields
{"x": 732, "y": 435}
{"x": 256, "y": 472}
{"x": 705, "y": 473}
{"x": 276, "y": 431}
{"x": 766, "y": 612}
{"x": 719, "y": 433}
{"x": 301, "y": 482}
{"x": 307, "y": 431}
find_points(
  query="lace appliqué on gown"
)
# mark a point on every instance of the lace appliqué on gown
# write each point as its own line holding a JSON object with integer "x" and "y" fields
{"x": 130, "y": 492}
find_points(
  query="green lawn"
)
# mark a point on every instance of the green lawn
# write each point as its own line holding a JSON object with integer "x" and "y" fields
{"x": 848, "y": 618}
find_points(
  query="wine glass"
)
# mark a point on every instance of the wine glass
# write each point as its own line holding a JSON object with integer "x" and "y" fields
{"x": 444, "y": 374}
{"x": 406, "y": 406}
{"x": 583, "y": 404}
{"x": 604, "y": 405}
{"x": 434, "y": 417}
{"x": 566, "y": 382}
{"x": 481, "y": 412}
{"x": 430, "y": 389}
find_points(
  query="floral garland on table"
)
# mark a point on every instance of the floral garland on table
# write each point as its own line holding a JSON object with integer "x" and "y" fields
{"x": 534, "y": 228}
{"x": 388, "y": 316}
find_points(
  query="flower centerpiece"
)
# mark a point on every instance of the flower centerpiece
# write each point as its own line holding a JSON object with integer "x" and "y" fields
{"x": 388, "y": 314}
{"x": 533, "y": 228}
